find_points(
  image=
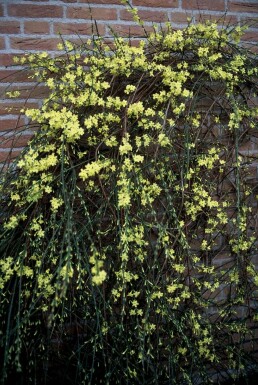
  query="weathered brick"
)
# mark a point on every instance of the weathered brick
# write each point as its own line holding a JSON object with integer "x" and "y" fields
{"x": 8, "y": 156}
{"x": 210, "y": 5}
{"x": 94, "y": 13}
{"x": 27, "y": 92}
{"x": 2, "y": 43}
{"x": 246, "y": 146}
{"x": 15, "y": 141}
{"x": 6, "y": 59}
{"x": 241, "y": 6}
{"x": 14, "y": 108}
{"x": 217, "y": 295}
{"x": 12, "y": 75}
{"x": 131, "y": 30}
{"x": 249, "y": 21}
{"x": 157, "y": 4}
{"x": 35, "y": 10}
{"x": 8, "y": 27}
{"x": 34, "y": 43}
{"x": 181, "y": 17}
{"x": 251, "y": 36}
{"x": 100, "y": 1}
{"x": 220, "y": 20}
{"x": 12, "y": 124}
{"x": 41, "y": 27}
{"x": 223, "y": 259}
{"x": 78, "y": 28}
{"x": 153, "y": 16}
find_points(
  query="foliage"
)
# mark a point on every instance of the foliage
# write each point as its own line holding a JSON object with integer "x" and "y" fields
{"x": 127, "y": 233}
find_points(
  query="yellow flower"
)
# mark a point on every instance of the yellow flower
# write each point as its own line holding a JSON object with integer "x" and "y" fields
{"x": 124, "y": 198}
{"x": 55, "y": 204}
{"x": 125, "y": 147}
{"x": 12, "y": 223}
{"x": 99, "y": 278}
{"x": 129, "y": 89}
{"x": 163, "y": 140}
{"x": 138, "y": 158}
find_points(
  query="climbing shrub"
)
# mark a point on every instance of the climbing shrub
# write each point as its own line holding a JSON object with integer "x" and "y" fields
{"x": 128, "y": 234}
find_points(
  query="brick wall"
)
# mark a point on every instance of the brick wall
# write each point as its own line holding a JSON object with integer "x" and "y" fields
{"x": 31, "y": 26}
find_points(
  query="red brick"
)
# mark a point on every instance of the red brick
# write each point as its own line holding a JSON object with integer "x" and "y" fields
{"x": 39, "y": 92}
{"x": 78, "y": 28}
{"x": 156, "y": 3}
{"x": 180, "y": 17}
{"x": 251, "y": 36}
{"x": 6, "y": 59}
{"x": 26, "y": 91}
{"x": 155, "y": 16}
{"x": 253, "y": 48}
{"x": 34, "y": 43}
{"x": 246, "y": 147}
{"x": 8, "y": 27}
{"x": 220, "y": 20}
{"x": 77, "y": 42}
{"x": 41, "y": 27}
{"x": 15, "y": 141}
{"x": 249, "y": 21}
{"x": 130, "y": 30}
{"x": 210, "y": 5}
{"x": 2, "y": 43}
{"x": 8, "y": 156}
{"x": 15, "y": 108}
{"x": 99, "y": 1}
{"x": 240, "y": 6}
{"x": 94, "y": 13}
{"x": 11, "y": 124}
{"x": 12, "y": 75}
{"x": 35, "y": 10}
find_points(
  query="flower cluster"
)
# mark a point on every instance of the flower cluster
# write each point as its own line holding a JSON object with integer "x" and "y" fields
{"x": 129, "y": 214}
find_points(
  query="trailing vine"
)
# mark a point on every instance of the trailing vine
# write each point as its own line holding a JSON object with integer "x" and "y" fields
{"x": 128, "y": 233}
